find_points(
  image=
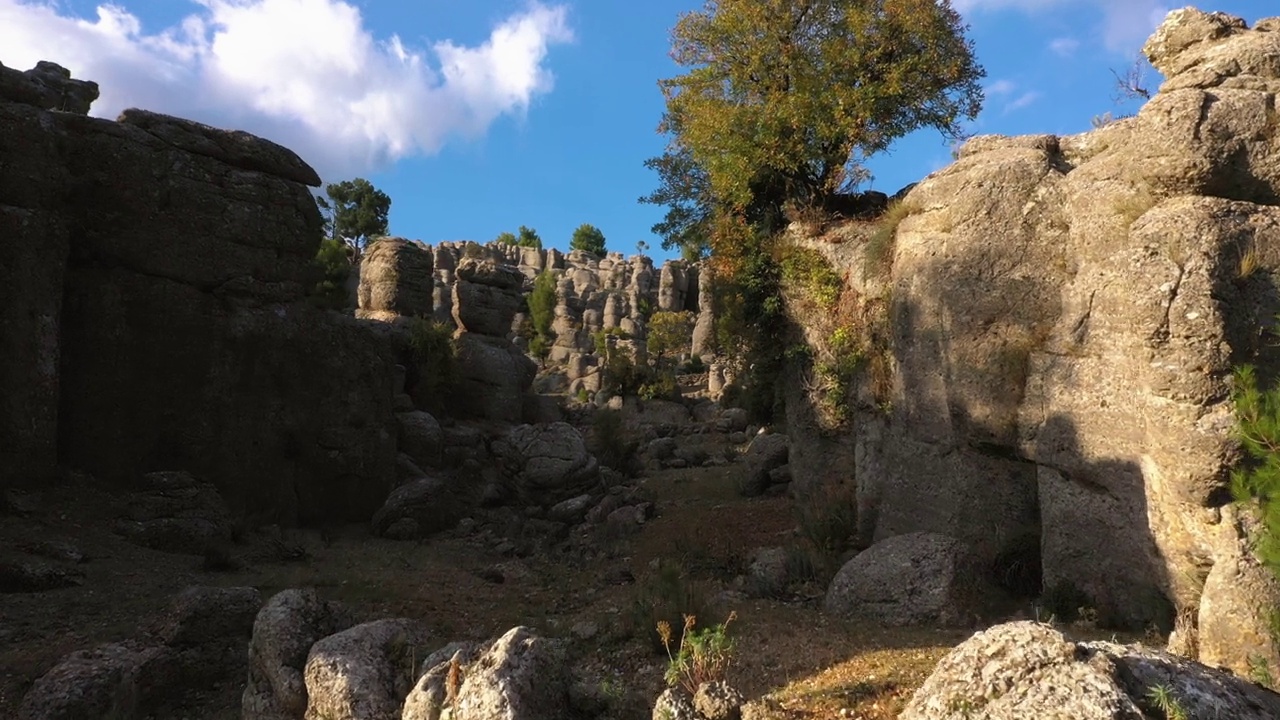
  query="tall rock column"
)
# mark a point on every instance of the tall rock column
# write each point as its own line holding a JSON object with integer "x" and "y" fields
{"x": 493, "y": 374}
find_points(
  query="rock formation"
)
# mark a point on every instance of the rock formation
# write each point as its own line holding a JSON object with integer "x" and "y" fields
{"x": 154, "y": 317}
{"x": 611, "y": 294}
{"x": 1065, "y": 315}
{"x": 1026, "y": 670}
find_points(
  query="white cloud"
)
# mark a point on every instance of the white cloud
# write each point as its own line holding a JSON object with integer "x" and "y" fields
{"x": 305, "y": 73}
{"x": 1064, "y": 46}
{"x": 1000, "y": 87}
{"x": 1126, "y": 24}
{"x": 1022, "y": 101}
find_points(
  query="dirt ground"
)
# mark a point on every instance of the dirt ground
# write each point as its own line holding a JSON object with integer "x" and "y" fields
{"x": 811, "y": 666}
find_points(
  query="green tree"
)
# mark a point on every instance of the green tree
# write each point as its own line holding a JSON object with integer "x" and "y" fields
{"x": 669, "y": 333}
{"x": 588, "y": 238}
{"x": 794, "y": 94}
{"x": 542, "y": 311}
{"x": 507, "y": 238}
{"x": 356, "y": 211}
{"x": 685, "y": 191}
{"x": 529, "y": 238}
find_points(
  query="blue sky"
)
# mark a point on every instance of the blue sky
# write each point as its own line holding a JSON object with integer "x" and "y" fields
{"x": 477, "y": 117}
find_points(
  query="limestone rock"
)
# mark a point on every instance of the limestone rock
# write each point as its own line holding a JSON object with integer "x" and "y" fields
{"x": 674, "y": 704}
{"x": 362, "y": 673}
{"x": 548, "y": 463}
{"x": 492, "y": 378}
{"x": 48, "y": 86}
{"x": 395, "y": 276}
{"x": 1235, "y": 623}
{"x": 765, "y": 454}
{"x": 420, "y": 437}
{"x": 175, "y": 512}
{"x": 116, "y": 679}
{"x": 520, "y": 677}
{"x": 485, "y": 309}
{"x": 718, "y": 700}
{"x": 428, "y": 501}
{"x": 915, "y": 579}
{"x": 1023, "y": 669}
{"x": 283, "y": 633}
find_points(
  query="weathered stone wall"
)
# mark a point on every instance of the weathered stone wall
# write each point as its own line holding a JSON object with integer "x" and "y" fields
{"x": 1066, "y": 313}
{"x": 154, "y": 315}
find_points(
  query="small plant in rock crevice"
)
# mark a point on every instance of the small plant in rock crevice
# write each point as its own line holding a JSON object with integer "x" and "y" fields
{"x": 1164, "y": 700}
{"x": 701, "y": 656}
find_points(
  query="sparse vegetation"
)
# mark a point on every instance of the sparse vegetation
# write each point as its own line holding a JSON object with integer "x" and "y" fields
{"x": 333, "y": 263}
{"x": 1164, "y": 700}
{"x": 542, "y": 309}
{"x": 878, "y": 257}
{"x": 1065, "y": 601}
{"x": 701, "y": 656}
{"x": 666, "y": 594}
{"x": 610, "y": 444}
{"x": 434, "y": 357}
{"x": 827, "y": 517}
{"x": 1257, "y": 484}
{"x": 355, "y": 212}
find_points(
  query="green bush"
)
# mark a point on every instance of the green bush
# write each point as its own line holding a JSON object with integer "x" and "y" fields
{"x": 542, "y": 312}
{"x": 808, "y": 271}
{"x": 1258, "y": 483}
{"x": 435, "y": 360}
{"x": 333, "y": 264}
{"x": 701, "y": 656}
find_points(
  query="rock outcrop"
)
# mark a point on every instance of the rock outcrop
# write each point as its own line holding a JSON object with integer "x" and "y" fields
{"x": 154, "y": 314}
{"x": 1064, "y": 315}
{"x": 1025, "y": 670}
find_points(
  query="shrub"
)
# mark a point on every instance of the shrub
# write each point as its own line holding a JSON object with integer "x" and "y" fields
{"x": 609, "y": 442}
{"x": 879, "y": 250}
{"x": 435, "y": 359}
{"x": 542, "y": 312}
{"x": 695, "y": 366}
{"x": 827, "y": 518}
{"x": 808, "y": 271}
{"x": 1258, "y": 428}
{"x": 666, "y": 594}
{"x": 589, "y": 239}
{"x": 701, "y": 656}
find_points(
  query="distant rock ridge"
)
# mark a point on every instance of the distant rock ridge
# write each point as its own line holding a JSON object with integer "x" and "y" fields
{"x": 593, "y": 294}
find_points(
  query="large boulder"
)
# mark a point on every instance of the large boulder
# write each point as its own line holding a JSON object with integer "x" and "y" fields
{"x": 283, "y": 633}
{"x": 1025, "y": 670}
{"x": 485, "y": 309}
{"x": 363, "y": 673}
{"x": 424, "y": 506}
{"x": 521, "y": 677}
{"x": 547, "y": 464}
{"x": 175, "y": 512}
{"x": 395, "y": 277}
{"x": 492, "y": 377}
{"x": 765, "y": 454}
{"x": 914, "y": 579}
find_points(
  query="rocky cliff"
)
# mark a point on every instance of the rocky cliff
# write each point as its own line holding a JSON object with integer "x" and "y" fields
{"x": 1064, "y": 315}
{"x": 593, "y": 294}
{"x": 153, "y": 313}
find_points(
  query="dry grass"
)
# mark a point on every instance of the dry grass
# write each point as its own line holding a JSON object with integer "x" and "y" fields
{"x": 881, "y": 245}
